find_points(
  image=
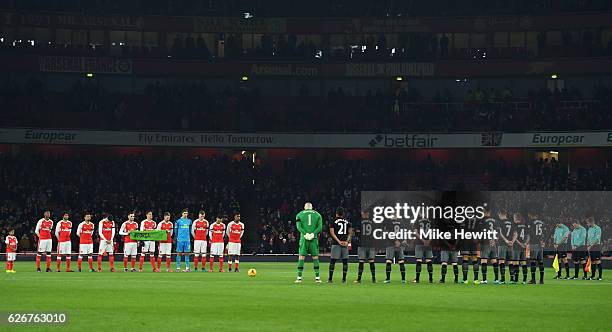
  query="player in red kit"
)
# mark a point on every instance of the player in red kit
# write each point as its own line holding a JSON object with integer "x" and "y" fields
{"x": 63, "y": 229}
{"x": 149, "y": 246}
{"x": 106, "y": 230}
{"x": 130, "y": 247}
{"x": 235, "y": 229}
{"x": 43, "y": 232}
{"x": 217, "y": 244}
{"x": 11, "y": 250}
{"x": 165, "y": 247}
{"x": 199, "y": 231}
{"x": 85, "y": 233}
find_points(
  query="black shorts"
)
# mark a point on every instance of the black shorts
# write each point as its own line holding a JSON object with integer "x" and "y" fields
{"x": 595, "y": 255}
{"x": 579, "y": 254}
{"x": 469, "y": 248}
{"x": 562, "y": 251}
{"x": 519, "y": 253}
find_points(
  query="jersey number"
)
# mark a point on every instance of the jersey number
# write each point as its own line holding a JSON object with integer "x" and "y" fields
{"x": 538, "y": 230}
{"x": 508, "y": 228}
{"x": 342, "y": 229}
{"x": 367, "y": 229}
{"x": 471, "y": 223}
{"x": 309, "y": 220}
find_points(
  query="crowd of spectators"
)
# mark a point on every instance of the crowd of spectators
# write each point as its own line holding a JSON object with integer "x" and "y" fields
{"x": 193, "y": 106}
{"x": 499, "y": 110}
{"x": 117, "y": 185}
{"x": 329, "y": 184}
{"x": 410, "y": 46}
{"x": 221, "y": 185}
{"x": 313, "y": 8}
{"x": 165, "y": 106}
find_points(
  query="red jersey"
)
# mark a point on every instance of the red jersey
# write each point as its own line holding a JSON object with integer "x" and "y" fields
{"x": 11, "y": 244}
{"x": 217, "y": 231}
{"x": 148, "y": 225}
{"x": 86, "y": 232}
{"x": 106, "y": 230}
{"x": 167, "y": 226}
{"x": 63, "y": 230}
{"x": 200, "y": 229}
{"x": 127, "y": 227}
{"x": 235, "y": 230}
{"x": 43, "y": 228}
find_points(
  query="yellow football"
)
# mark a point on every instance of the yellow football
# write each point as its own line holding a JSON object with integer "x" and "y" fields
{"x": 252, "y": 272}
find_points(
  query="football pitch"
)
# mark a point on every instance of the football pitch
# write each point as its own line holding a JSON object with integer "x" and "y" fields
{"x": 272, "y": 302}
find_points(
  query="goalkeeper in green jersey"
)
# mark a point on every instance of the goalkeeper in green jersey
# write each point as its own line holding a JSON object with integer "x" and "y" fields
{"x": 309, "y": 223}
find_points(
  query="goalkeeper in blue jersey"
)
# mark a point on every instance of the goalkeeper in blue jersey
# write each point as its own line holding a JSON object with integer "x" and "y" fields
{"x": 182, "y": 229}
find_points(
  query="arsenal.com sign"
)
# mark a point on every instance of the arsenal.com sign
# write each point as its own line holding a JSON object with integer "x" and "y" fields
{"x": 66, "y": 64}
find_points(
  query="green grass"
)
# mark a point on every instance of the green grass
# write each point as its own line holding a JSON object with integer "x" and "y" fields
{"x": 272, "y": 302}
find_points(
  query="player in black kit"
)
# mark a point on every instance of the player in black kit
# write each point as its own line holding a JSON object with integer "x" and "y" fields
{"x": 537, "y": 234}
{"x": 366, "y": 251}
{"x": 507, "y": 235}
{"x": 422, "y": 249}
{"x": 340, "y": 231}
{"x": 488, "y": 249}
{"x": 469, "y": 250}
{"x": 520, "y": 246}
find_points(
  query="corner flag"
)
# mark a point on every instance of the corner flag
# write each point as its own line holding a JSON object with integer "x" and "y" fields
{"x": 587, "y": 267}
{"x": 555, "y": 263}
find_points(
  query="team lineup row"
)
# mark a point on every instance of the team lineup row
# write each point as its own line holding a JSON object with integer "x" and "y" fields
{"x": 509, "y": 252}
{"x": 512, "y": 250}
{"x": 209, "y": 239}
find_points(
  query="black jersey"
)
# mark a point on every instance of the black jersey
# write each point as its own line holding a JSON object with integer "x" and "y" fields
{"x": 490, "y": 224}
{"x": 366, "y": 227}
{"x": 537, "y": 232}
{"x": 522, "y": 232}
{"x": 341, "y": 228}
{"x": 422, "y": 227}
{"x": 366, "y": 230}
{"x": 472, "y": 225}
{"x": 394, "y": 226}
{"x": 506, "y": 228}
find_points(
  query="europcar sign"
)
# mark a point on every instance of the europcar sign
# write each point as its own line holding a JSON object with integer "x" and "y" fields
{"x": 306, "y": 140}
